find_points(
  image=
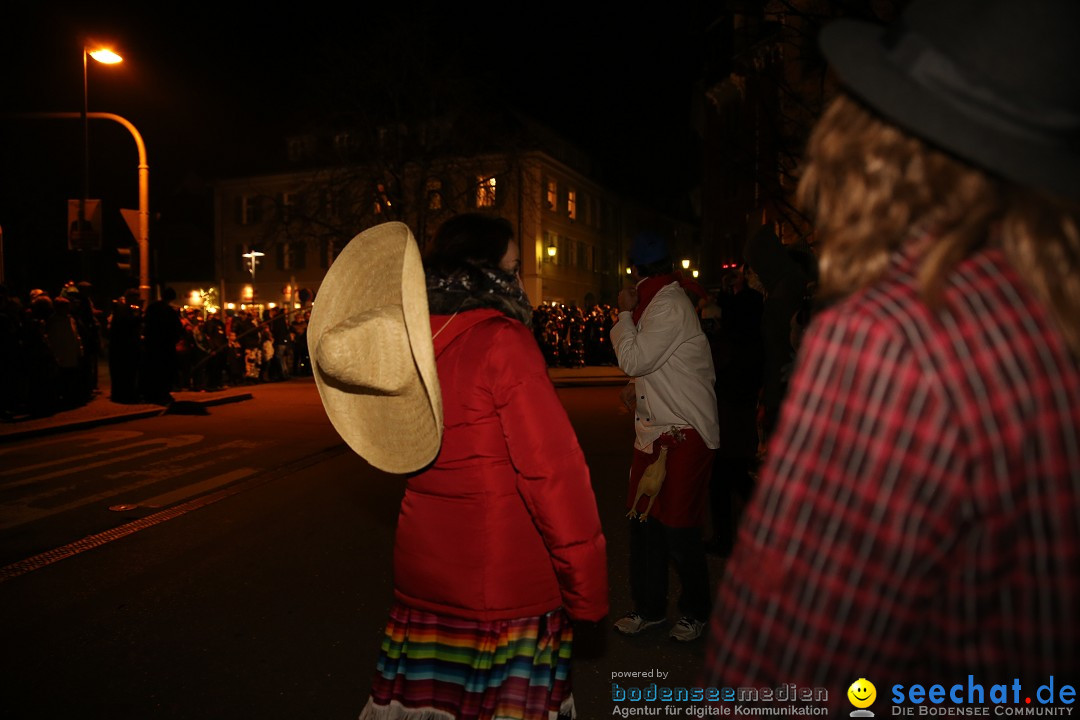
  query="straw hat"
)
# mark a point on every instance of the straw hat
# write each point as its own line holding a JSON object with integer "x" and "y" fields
{"x": 372, "y": 355}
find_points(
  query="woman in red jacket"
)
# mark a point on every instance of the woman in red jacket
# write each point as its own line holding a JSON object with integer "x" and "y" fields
{"x": 498, "y": 542}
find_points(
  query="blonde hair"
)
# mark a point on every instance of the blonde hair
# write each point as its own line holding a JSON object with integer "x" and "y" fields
{"x": 873, "y": 189}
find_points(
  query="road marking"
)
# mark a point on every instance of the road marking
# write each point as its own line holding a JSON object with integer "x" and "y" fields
{"x": 86, "y": 438}
{"x": 90, "y": 542}
{"x": 197, "y": 489}
{"x": 164, "y": 443}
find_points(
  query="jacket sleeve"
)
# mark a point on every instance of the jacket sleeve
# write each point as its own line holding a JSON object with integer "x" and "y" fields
{"x": 643, "y": 350}
{"x": 553, "y": 479}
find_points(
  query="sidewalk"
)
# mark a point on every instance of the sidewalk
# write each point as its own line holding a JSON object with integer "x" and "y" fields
{"x": 102, "y": 411}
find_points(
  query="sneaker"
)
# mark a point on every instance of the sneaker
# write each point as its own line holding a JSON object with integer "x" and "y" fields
{"x": 687, "y": 629}
{"x": 631, "y": 623}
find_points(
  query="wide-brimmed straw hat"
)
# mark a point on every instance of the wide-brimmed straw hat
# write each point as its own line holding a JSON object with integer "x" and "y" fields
{"x": 995, "y": 82}
{"x": 370, "y": 342}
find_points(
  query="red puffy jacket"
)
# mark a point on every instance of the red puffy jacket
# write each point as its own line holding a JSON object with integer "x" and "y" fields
{"x": 504, "y": 523}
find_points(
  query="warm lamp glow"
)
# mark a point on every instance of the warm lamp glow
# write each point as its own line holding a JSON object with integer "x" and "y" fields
{"x": 105, "y": 56}
{"x": 628, "y": 270}
{"x": 685, "y": 264}
{"x": 695, "y": 273}
{"x": 552, "y": 249}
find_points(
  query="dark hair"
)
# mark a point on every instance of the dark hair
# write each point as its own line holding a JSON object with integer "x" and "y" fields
{"x": 663, "y": 266}
{"x": 469, "y": 239}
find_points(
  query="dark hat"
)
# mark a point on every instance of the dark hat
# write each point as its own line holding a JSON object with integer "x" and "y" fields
{"x": 647, "y": 248}
{"x": 995, "y": 82}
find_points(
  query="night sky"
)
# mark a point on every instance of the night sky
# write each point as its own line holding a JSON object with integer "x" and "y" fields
{"x": 211, "y": 90}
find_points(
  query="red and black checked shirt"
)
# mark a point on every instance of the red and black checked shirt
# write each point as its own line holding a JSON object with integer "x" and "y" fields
{"x": 917, "y": 518}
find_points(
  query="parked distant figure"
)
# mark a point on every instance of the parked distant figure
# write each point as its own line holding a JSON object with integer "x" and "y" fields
{"x": 917, "y": 519}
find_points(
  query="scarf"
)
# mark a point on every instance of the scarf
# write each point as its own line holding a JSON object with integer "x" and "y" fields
{"x": 651, "y": 285}
{"x": 472, "y": 287}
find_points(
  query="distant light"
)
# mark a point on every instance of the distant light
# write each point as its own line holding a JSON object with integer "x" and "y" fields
{"x": 695, "y": 273}
{"x": 685, "y": 264}
{"x": 628, "y": 271}
{"x": 105, "y": 56}
{"x": 273, "y": 305}
{"x": 231, "y": 306}
{"x": 296, "y": 305}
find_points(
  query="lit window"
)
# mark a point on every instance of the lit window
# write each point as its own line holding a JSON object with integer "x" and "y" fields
{"x": 571, "y": 204}
{"x": 552, "y": 195}
{"x": 434, "y": 194}
{"x": 382, "y": 199}
{"x": 485, "y": 192}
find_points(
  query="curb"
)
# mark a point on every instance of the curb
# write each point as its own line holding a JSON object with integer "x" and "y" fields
{"x": 63, "y": 427}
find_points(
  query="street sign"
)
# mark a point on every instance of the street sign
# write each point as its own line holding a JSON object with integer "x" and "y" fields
{"x": 131, "y": 217}
{"x": 87, "y": 237}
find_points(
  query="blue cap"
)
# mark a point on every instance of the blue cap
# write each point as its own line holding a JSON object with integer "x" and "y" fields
{"x": 647, "y": 248}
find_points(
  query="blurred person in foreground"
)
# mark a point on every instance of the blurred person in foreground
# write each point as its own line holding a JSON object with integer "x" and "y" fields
{"x": 499, "y": 544}
{"x": 917, "y": 520}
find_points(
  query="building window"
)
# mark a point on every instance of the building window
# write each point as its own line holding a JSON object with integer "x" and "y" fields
{"x": 552, "y": 195}
{"x": 329, "y": 249}
{"x": 485, "y": 192}
{"x": 434, "y": 194}
{"x": 292, "y": 255}
{"x": 247, "y": 209}
{"x": 329, "y": 203}
{"x": 343, "y": 144}
{"x": 571, "y": 204}
{"x": 288, "y": 206}
{"x": 382, "y": 199}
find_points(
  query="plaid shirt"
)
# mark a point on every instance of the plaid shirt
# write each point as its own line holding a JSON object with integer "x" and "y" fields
{"x": 917, "y": 518}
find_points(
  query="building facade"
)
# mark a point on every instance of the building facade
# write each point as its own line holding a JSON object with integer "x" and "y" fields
{"x": 277, "y": 234}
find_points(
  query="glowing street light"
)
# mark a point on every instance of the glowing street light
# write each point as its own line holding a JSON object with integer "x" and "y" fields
{"x": 253, "y": 259}
{"x": 106, "y": 57}
{"x": 686, "y": 264}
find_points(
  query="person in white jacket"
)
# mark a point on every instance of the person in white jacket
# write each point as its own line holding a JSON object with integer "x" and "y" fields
{"x": 660, "y": 344}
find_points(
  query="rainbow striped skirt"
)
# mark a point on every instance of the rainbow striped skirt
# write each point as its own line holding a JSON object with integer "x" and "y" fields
{"x": 435, "y": 667}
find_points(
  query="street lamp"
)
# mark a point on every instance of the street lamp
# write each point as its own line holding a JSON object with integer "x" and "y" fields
{"x": 253, "y": 258}
{"x": 685, "y": 264}
{"x": 106, "y": 57}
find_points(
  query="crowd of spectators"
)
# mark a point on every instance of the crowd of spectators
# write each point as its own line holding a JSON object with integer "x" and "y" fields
{"x": 51, "y": 345}
{"x": 571, "y": 337}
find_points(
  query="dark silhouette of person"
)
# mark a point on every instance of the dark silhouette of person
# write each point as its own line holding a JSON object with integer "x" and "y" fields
{"x": 738, "y": 354}
{"x": 125, "y": 347}
{"x": 786, "y": 276}
{"x": 162, "y": 330}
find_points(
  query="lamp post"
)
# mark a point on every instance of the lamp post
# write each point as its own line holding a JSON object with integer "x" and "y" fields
{"x": 107, "y": 57}
{"x": 253, "y": 258}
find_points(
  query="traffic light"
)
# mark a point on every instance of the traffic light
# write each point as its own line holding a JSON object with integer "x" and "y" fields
{"x": 126, "y": 258}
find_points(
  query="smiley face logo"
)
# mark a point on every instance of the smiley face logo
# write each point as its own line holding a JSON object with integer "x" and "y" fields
{"x": 862, "y": 693}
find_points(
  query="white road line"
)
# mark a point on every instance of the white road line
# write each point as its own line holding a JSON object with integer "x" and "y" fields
{"x": 163, "y": 443}
{"x": 198, "y": 488}
{"x": 97, "y": 437}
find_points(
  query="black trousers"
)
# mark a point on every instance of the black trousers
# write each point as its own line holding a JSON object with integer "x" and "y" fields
{"x": 652, "y": 546}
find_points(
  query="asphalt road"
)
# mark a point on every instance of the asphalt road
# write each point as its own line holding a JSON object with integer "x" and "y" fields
{"x": 237, "y": 565}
